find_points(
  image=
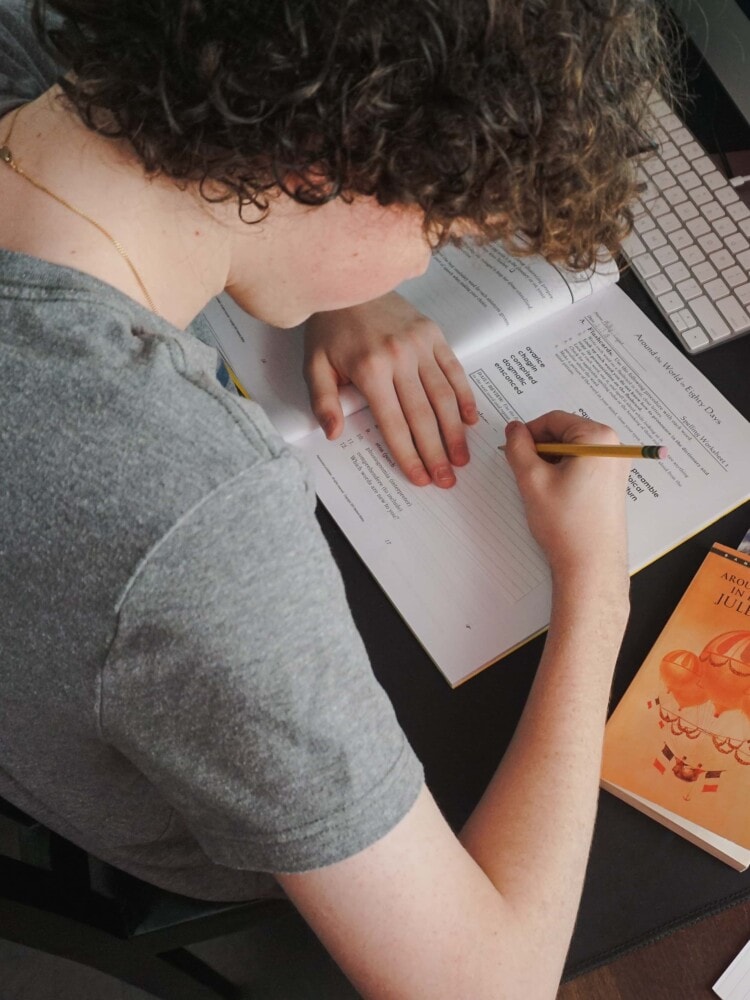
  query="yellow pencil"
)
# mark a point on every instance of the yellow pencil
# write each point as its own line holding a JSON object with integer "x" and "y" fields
{"x": 238, "y": 385}
{"x": 559, "y": 450}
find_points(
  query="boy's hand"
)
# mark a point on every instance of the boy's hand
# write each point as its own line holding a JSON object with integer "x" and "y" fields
{"x": 411, "y": 379}
{"x": 575, "y": 506}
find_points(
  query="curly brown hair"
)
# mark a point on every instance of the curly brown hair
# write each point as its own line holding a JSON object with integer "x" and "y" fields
{"x": 521, "y": 119}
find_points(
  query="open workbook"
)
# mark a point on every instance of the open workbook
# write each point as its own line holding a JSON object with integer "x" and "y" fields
{"x": 460, "y": 565}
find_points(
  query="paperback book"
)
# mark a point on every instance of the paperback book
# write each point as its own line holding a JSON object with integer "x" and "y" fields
{"x": 677, "y": 746}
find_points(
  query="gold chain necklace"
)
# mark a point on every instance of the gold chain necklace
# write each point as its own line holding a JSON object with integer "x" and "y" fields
{"x": 7, "y": 157}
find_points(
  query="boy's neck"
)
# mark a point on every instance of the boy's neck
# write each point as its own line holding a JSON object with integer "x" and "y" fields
{"x": 178, "y": 244}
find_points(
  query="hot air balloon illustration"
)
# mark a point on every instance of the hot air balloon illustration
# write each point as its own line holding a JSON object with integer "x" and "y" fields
{"x": 699, "y": 690}
{"x": 725, "y": 671}
{"x": 682, "y": 674}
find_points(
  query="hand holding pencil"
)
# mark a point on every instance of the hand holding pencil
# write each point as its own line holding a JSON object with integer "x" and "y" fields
{"x": 575, "y": 510}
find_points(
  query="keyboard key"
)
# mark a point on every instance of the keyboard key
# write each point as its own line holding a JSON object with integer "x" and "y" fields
{"x": 681, "y": 137}
{"x": 645, "y": 265}
{"x": 654, "y": 238}
{"x": 701, "y": 195}
{"x": 632, "y": 245}
{"x": 691, "y": 180}
{"x": 734, "y": 314}
{"x": 743, "y": 294}
{"x": 727, "y": 195}
{"x": 712, "y": 210}
{"x": 671, "y": 123}
{"x": 677, "y": 319}
{"x": 698, "y": 227}
{"x": 743, "y": 259}
{"x": 685, "y": 317}
{"x": 686, "y": 210}
{"x": 668, "y": 150}
{"x": 670, "y": 222}
{"x": 658, "y": 207}
{"x": 642, "y": 222}
{"x": 659, "y": 108}
{"x": 689, "y": 289}
{"x": 736, "y": 242}
{"x": 734, "y": 276}
{"x": 714, "y": 180}
{"x": 744, "y": 225}
{"x": 676, "y": 196}
{"x": 678, "y": 165}
{"x": 716, "y": 289}
{"x": 724, "y": 226}
{"x": 681, "y": 239}
{"x": 677, "y": 272}
{"x": 722, "y": 259}
{"x": 692, "y": 255}
{"x": 703, "y": 165}
{"x": 671, "y": 302}
{"x": 665, "y": 255}
{"x": 738, "y": 210}
{"x": 711, "y": 320}
{"x": 710, "y": 242}
{"x": 695, "y": 338}
{"x": 704, "y": 272}
{"x": 659, "y": 284}
{"x": 693, "y": 150}
{"x": 663, "y": 180}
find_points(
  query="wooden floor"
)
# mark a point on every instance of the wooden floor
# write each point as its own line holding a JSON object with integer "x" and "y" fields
{"x": 682, "y": 966}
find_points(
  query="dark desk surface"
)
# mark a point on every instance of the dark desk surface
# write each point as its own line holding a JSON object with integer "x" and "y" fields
{"x": 642, "y": 879}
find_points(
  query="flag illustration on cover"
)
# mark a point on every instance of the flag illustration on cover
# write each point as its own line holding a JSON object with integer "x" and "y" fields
{"x": 682, "y": 769}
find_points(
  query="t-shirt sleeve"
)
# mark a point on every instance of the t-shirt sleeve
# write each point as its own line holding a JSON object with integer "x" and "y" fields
{"x": 238, "y": 684}
{"x": 26, "y": 70}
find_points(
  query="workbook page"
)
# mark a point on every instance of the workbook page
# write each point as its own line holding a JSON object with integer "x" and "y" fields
{"x": 477, "y": 295}
{"x": 460, "y": 564}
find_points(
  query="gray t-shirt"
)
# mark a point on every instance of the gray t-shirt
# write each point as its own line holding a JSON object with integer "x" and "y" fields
{"x": 182, "y": 689}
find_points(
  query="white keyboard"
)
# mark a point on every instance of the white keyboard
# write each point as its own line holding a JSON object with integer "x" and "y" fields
{"x": 691, "y": 243}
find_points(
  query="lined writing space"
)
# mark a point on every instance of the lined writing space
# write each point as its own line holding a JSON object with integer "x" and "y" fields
{"x": 482, "y": 517}
{"x": 459, "y": 564}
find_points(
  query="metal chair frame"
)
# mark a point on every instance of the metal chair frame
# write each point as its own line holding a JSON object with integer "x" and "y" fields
{"x": 139, "y": 934}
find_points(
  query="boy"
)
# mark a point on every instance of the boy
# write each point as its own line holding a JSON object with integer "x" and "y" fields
{"x": 184, "y": 693}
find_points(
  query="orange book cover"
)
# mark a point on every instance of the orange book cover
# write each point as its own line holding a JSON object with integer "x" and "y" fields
{"x": 677, "y": 746}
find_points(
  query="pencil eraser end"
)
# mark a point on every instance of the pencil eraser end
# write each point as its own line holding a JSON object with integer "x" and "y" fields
{"x": 663, "y": 451}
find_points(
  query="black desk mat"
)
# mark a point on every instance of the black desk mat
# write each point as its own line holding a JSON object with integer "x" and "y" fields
{"x": 642, "y": 883}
